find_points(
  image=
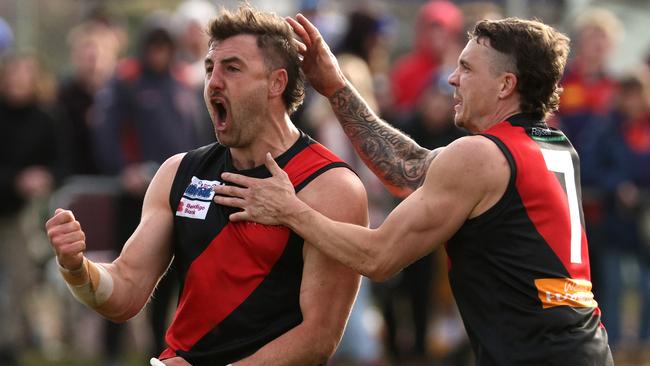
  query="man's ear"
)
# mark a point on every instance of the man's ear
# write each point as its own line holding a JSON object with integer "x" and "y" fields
{"x": 277, "y": 82}
{"x": 508, "y": 85}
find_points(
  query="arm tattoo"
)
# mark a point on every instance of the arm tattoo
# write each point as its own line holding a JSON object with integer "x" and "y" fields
{"x": 394, "y": 157}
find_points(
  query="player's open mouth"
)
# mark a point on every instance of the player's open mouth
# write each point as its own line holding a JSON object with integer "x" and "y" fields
{"x": 457, "y": 102}
{"x": 221, "y": 115}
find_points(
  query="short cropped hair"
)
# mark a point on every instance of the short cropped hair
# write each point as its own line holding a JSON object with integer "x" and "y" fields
{"x": 538, "y": 54}
{"x": 274, "y": 39}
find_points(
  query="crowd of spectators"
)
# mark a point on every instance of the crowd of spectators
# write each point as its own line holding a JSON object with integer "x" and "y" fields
{"x": 114, "y": 117}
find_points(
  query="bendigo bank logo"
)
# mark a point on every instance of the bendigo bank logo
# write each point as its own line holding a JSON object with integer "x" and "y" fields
{"x": 565, "y": 292}
{"x": 197, "y": 198}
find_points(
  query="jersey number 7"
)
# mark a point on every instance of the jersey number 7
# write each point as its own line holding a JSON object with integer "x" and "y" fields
{"x": 560, "y": 161}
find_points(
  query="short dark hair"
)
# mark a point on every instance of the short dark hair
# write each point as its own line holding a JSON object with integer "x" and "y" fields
{"x": 539, "y": 53}
{"x": 274, "y": 39}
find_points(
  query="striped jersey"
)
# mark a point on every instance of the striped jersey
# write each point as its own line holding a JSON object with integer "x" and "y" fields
{"x": 520, "y": 271}
{"x": 240, "y": 281}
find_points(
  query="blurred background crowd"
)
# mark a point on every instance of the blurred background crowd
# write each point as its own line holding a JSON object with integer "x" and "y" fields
{"x": 94, "y": 95}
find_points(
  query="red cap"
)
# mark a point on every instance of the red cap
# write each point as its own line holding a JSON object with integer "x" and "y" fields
{"x": 442, "y": 12}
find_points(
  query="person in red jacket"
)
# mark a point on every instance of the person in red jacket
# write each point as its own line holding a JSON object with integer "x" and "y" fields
{"x": 588, "y": 85}
{"x": 437, "y": 29}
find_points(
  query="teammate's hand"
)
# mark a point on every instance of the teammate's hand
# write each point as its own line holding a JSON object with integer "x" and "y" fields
{"x": 265, "y": 201}
{"x": 67, "y": 239}
{"x": 318, "y": 64}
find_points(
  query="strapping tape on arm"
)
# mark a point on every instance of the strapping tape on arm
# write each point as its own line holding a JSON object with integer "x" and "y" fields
{"x": 91, "y": 284}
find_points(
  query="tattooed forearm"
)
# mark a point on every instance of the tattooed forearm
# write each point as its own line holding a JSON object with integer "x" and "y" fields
{"x": 395, "y": 158}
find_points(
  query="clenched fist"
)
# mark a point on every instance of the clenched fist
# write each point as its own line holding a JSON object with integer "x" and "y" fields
{"x": 67, "y": 239}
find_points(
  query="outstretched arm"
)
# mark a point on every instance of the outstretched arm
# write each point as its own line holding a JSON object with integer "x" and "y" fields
{"x": 466, "y": 179}
{"x": 395, "y": 158}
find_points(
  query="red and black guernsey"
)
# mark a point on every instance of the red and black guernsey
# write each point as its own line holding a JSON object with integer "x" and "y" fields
{"x": 520, "y": 271}
{"x": 240, "y": 282}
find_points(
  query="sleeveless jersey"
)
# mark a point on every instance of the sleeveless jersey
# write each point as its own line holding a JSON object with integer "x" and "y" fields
{"x": 240, "y": 281}
{"x": 520, "y": 271}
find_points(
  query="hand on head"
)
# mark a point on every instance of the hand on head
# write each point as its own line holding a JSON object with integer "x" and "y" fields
{"x": 67, "y": 239}
{"x": 319, "y": 64}
{"x": 265, "y": 201}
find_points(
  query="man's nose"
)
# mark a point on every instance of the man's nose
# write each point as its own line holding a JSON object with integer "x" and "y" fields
{"x": 453, "y": 78}
{"x": 215, "y": 82}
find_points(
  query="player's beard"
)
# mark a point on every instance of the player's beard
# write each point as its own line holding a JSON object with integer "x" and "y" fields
{"x": 246, "y": 118}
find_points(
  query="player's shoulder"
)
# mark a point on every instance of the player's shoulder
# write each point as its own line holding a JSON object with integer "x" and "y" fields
{"x": 469, "y": 161}
{"x": 471, "y": 150}
{"x": 339, "y": 185}
{"x": 336, "y": 178}
{"x": 169, "y": 167}
{"x": 173, "y": 161}
{"x": 334, "y": 184}
{"x": 326, "y": 167}
{"x": 161, "y": 184}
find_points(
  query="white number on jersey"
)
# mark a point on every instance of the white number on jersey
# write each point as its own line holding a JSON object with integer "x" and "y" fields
{"x": 561, "y": 162}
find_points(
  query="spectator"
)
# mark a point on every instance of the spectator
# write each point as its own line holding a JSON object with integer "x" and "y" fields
{"x": 94, "y": 49}
{"x": 432, "y": 124}
{"x": 29, "y": 152}
{"x": 145, "y": 114}
{"x": 619, "y": 159}
{"x": 437, "y": 28}
{"x": 588, "y": 85}
{"x": 194, "y": 16}
{"x": 473, "y": 11}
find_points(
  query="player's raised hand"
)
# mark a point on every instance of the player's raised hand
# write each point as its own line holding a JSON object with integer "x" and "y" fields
{"x": 67, "y": 239}
{"x": 319, "y": 64}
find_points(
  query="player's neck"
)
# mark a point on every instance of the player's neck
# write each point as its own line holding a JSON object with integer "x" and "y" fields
{"x": 501, "y": 112}
{"x": 277, "y": 137}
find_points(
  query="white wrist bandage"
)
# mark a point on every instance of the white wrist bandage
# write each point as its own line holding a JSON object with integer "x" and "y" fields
{"x": 156, "y": 362}
{"x": 91, "y": 284}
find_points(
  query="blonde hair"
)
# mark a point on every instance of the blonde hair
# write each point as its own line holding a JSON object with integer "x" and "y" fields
{"x": 602, "y": 19}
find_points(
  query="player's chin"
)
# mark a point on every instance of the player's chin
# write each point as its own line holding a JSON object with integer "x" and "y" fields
{"x": 230, "y": 141}
{"x": 223, "y": 138}
{"x": 458, "y": 121}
